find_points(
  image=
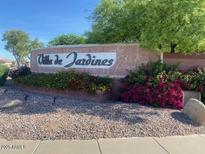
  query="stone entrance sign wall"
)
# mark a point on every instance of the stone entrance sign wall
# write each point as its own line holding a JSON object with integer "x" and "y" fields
{"x": 114, "y": 60}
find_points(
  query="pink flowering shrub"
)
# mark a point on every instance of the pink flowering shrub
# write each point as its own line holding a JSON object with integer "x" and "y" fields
{"x": 160, "y": 84}
{"x": 169, "y": 94}
{"x": 164, "y": 94}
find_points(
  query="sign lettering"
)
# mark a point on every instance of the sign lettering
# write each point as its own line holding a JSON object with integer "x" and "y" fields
{"x": 77, "y": 60}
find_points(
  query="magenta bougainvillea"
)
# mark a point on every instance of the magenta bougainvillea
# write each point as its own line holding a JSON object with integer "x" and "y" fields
{"x": 161, "y": 84}
{"x": 163, "y": 94}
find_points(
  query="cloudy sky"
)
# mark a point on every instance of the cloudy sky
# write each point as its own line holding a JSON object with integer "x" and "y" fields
{"x": 45, "y": 19}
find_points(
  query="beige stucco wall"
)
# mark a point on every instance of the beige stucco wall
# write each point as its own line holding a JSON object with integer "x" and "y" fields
{"x": 185, "y": 61}
{"x": 128, "y": 57}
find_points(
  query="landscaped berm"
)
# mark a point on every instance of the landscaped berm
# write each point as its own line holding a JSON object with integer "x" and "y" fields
{"x": 74, "y": 104}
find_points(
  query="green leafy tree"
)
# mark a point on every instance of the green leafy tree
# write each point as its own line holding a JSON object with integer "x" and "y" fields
{"x": 162, "y": 25}
{"x": 117, "y": 21}
{"x": 174, "y": 26}
{"x": 20, "y": 45}
{"x": 69, "y": 39}
{"x": 105, "y": 19}
{"x": 34, "y": 44}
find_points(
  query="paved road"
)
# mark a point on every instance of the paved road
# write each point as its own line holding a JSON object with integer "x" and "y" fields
{"x": 194, "y": 144}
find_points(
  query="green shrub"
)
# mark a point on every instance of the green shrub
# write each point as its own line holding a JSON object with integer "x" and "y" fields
{"x": 137, "y": 76}
{"x": 3, "y": 74}
{"x": 170, "y": 76}
{"x": 152, "y": 69}
{"x": 67, "y": 81}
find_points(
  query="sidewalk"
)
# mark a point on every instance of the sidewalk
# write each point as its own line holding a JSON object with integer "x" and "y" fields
{"x": 194, "y": 144}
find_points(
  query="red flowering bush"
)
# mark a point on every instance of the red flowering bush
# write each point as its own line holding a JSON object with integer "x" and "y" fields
{"x": 161, "y": 84}
{"x": 164, "y": 94}
{"x": 133, "y": 93}
{"x": 168, "y": 94}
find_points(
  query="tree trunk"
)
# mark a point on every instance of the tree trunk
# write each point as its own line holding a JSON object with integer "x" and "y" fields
{"x": 17, "y": 60}
{"x": 173, "y": 47}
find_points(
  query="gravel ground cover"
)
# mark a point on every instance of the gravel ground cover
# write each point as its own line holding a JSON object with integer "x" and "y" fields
{"x": 39, "y": 117}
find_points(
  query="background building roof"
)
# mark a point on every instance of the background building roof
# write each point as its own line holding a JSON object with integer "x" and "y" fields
{"x": 5, "y": 60}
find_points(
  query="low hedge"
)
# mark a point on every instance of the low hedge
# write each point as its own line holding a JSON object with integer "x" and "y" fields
{"x": 67, "y": 81}
{"x": 3, "y": 74}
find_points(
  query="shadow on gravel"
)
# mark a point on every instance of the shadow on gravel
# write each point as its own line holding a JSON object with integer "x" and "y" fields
{"x": 28, "y": 109}
{"x": 25, "y": 107}
{"x": 117, "y": 111}
{"x": 181, "y": 117}
{"x": 129, "y": 113}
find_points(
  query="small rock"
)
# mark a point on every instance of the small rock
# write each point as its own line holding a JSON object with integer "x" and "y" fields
{"x": 12, "y": 103}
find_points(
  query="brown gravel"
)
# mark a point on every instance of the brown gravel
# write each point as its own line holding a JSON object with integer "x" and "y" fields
{"x": 40, "y": 118}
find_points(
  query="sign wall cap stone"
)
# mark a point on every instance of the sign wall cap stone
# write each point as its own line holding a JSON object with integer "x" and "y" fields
{"x": 86, "y": 45}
